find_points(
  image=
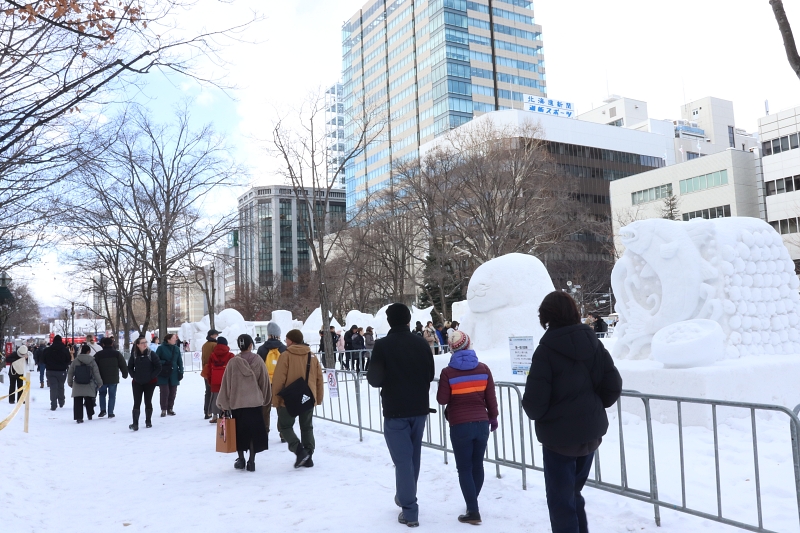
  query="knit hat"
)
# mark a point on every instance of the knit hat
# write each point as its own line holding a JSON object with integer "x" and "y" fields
{"x": 273, "y": 330}
{"x": 459, "y": 341}
{"x": 222, "y": 340}
{"x": 22, "y": 351}
{"x": 398, "y": 314}
{"x": 295, "y": 335}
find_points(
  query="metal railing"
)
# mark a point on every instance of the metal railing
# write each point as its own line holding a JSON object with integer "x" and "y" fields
{"x": 633, "y": 472}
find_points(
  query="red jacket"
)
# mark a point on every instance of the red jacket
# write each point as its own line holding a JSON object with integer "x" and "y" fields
{"x": 467, "y": 389}
{"x": 216, "y": 365}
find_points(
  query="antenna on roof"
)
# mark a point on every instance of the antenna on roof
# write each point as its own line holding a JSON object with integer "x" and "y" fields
{"x": 766, "y": 106}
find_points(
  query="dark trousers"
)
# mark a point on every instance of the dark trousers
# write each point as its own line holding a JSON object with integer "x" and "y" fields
{"x": 145, "y": 390}
{"x": 168, "y": 393}
{"x": 404, "y": 440}
{"x": 469, "y": 444}
{"x": 207, "y": 401}
{"x": 564, "y": 478}
{"x": 14, "y": 383}
{"x": 42, "y": 370}
{"x": 78, "y": 404}
{"x": 286, "y": 429}
{"x": 57, "y": 378}
{"x": 111, "y": 390}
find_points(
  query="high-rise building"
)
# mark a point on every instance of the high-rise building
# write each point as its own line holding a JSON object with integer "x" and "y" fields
{"x": 430, "y": 66}
{"x": 334, "y": 133}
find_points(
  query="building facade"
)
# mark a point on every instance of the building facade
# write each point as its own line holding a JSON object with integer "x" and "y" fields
{"x": 422, "y": 67}
{"x": 334, "y": 133}
{"x": 272, "y": 245}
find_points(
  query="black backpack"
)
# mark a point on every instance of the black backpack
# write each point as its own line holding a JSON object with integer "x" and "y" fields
{"x": 83, "y": 374}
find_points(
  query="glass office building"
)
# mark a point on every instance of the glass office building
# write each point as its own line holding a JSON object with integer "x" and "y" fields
{"x": 419, "y": 68}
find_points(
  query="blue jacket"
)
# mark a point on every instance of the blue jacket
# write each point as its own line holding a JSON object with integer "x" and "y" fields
{"x": 170, "y": 355}
{"x": 441, "y": 338}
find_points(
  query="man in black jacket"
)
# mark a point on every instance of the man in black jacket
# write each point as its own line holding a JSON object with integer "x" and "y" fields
{"x": 402, "y": 366}
{"x": 111, "y": 363}
{"x": 57, "y": 360}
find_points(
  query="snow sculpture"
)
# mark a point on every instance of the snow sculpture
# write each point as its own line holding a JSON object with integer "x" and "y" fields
{"x": 734, "y": 271}
{"x": 359, "y": 319}
{"x": 504, "y": 295}
{"x": 284, "y": 321}
{"x": 689, "y": 343}
{"x": 229, "y": 322}
{"x": 313, "y": 324}
{"x": 381, "y": 325}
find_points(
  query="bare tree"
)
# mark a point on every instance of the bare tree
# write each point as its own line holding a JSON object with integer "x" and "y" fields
{"x": 788, "y": 37}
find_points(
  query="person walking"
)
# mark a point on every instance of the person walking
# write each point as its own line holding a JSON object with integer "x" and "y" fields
{"x": 402, "y": 366}
{"x": 84, "y": 379}
{"x": 16, "y": 370}
{"x": 297, "y": 362}
{"x": 245, "y": 390}
{"x": 144, "y": 366}
{"x": 441, "y": 336}
{"x": 171, "y": 373}
{"x": 206, "y": 349}
{"x": 572, "y": 381}
{"x": 91, "y": 341}
{"x": 57, "y": 360}
{"x": 215, "y": 370}
{"x": 599, "y": 325}
{"x": 369, "y": 345}
{"x": 429, "y": 334}
{"x": 111, "y": 363}
{"x": 38, "y": 358}
{"x": 348, "y": 345}
{"x": 270, "y": 352}
{"x": 357, "y": 341}
{"x": 340, "y": 347}
{"x": 466, "y": 387}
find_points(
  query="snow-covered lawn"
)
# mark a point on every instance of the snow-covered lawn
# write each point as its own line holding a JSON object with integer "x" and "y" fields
{"x": 100, "y": 476}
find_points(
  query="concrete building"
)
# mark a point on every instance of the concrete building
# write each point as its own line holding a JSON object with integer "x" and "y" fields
{"x": 426, "y": 67}
{"x": 272, "y": 245}
{"x": 334, "y": 132}
{"x": 780, "y": 159}
{"x": 618, "y": 111}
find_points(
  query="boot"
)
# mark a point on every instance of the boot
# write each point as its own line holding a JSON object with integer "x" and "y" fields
{"x": 302, "y": 456}
{"x": 148, "y": 415}
{"x": 310, "y": 461}
{"x": 41, "y": 385}
{"x": 163, "y": 413}
{"x": 135, "y": 425}
{"x": 471, "y": 517}
{"x": 213, "y": 419}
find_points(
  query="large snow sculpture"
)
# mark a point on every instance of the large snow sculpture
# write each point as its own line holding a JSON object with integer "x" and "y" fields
{"x": 734, "y": 271}
{"x": 690, "y": 343}
{"x": 229, "y": 322}
{"x": 504, "y": 295}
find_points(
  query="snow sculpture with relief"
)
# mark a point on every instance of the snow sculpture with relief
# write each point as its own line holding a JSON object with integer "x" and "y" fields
{"x": 734, "y": 271}
{"x": 504, "y": 295}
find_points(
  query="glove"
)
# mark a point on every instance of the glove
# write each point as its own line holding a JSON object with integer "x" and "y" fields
{"x": 493, "y": 424}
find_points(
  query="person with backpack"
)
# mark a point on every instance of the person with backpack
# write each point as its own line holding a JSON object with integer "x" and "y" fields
{"x": 572, "y": 381}
{"x": 111, "y": 363}
{"x": 357, "y": 340}
{"x": 16, "y": 369}
{"x": 215, "y": 370}
{"x": 38, "y": 358}
{"x": 143, "y": 367}
{"x": 84, "y": 379}
{"x": 171, "y": 373}
{"x": 206, "y": 349}
{"x": 270, "y": 352}
{"x": 297, "y": 364}
{"x": 57, "y": 360}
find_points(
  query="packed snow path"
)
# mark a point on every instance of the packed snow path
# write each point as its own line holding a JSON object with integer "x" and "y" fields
{"x": 100, "y": 476}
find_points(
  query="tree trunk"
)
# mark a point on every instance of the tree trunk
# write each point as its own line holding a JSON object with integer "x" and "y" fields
{"x": 213, "y": 299}
{"x": 788, "y": 38}
{"x": 161, "y": 304}
{"x": 327, "y": 342}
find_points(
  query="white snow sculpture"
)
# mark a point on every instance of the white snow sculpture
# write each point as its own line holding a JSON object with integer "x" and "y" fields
{"x": 504, "y": 295}
{"x": 284, "y": 321}
{"x": 359, "y": 319}
{"x": 459, "y": 310}
{"x": 229, "y": 322}
{"x": 734, "y": 271}
{"x": 313, "y": 324}
{"x": 381, "y": 324}
{"x": 690, "y": 343}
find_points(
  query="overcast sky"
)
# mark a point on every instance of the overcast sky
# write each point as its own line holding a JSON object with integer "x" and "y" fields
{"x": 663, "y": 52}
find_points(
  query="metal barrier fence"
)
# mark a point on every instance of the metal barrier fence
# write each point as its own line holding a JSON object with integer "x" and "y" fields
{"x": 633, "y": 471}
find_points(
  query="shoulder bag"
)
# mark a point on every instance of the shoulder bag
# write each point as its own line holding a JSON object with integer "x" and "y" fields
{"x": 297, "y": 396}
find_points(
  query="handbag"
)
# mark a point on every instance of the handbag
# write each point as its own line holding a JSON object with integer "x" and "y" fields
{"x": 226, "y": 435}
{"x": 297, "y": 396}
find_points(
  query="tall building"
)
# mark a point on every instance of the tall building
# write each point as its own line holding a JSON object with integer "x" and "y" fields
{"x": 430, "y": 66}
{"x": 271, "y": 240}
{"x": 334, "y": 132}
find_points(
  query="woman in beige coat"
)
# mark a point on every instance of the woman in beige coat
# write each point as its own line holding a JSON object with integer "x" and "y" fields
{"x": 244, "y": 391}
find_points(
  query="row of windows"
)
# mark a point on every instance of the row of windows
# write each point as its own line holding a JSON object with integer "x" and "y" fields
{"x": 450, "y": 69}
{"x": 517, "y": 80}
{"x": 375, "y": 53}
{"x": 706, "y": 181}
{"x": 399, "y": 33}
{"x": 396, "y": 130}
{"x": 402, "y": 95}
{"x": 652, "y": 194}
{"x": 403, "y": 62}
{"x": 402, "y": 79}
{"x": 590, "y": 198}
{"x": 452, "y": 86}
{"x": 587, "y": 152}
{"x": 580, "y": 171}
{"x": 403, "y": 14}
{"x": 376, "y": 82}
{"x": 519, "y": 3}
{"x": 478, "y": 23}
{"x": 436, "y": 5}
{"x": 782, "y": 144}
{"x": 785, "y": 226}
{"x": 504, "y": 61}
{"x": 782, "y": 185}
{"x": 510, "y": 15}
{"x": 482, "y": 107}
{"x": 520, "y": 34}
{"x": 517, "y": 48}
{"x": 453, "y": 104}
{"x": 723, "y": 211}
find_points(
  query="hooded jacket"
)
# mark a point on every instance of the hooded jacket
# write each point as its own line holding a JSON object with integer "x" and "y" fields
{"x": 144, "y": 367}
{"x": 111, "y": 363}
{"x": 84, "y": 389}
{"x": 291, "y": 366}
{"x": 244, "y": 384}
{"x": 571, "y": 383}
{"x": 170, "y": 354}
{"x": 466, "y": 387}
{"x": 57, "y": 357}
{"x": 264, "y": 349}
{"x": 220, "y": 357}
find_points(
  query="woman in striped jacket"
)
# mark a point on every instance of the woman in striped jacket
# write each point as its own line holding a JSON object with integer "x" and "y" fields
{"x": 466, "y": 387}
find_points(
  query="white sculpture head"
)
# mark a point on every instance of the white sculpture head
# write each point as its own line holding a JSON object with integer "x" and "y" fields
{"x": 508, "y": 281}
{"x": 638, "y": 236}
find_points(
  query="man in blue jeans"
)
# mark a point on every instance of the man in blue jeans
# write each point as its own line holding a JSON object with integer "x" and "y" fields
{"x": 402, "y": 366}
{"x": 111, "y": 363}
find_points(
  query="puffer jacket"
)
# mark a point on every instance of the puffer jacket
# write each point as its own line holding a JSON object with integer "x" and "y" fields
{"x": 144, "y": 367}
{"x": 215, "y": 369}
{"x": 244, "y": 384}
{"x": 466, "y": 387}
{"x": 84, "y": 389}
{"x": 291, "y": 366}
{"x": 170, "y": 354}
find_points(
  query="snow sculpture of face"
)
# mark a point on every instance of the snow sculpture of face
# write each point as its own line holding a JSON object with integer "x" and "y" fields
{"x": 512, "y": 280}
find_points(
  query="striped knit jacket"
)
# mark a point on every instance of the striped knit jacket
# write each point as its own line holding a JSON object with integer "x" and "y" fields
{"x": 466, "y": 387}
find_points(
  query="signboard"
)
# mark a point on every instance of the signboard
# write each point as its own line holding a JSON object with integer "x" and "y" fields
{"x": 548, "y": 106}
{"x": 333, "y": 383}
{"x": 521, "y": 349}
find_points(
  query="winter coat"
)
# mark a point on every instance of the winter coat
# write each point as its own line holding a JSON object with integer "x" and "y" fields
{"x": 600, "y": 326}
{"x": 440, "y": 337}
{"x": 429, "y": 334}
{"x": 38, "y": 356}
{"x": 144, "y": 367}
{"x": 264, "y": 349}
{"x": 402, "y": 365}
{"x": 215, "y": 369}
{"x": 10, "y": 360}
{"x": 369, "y": 340}
{"x": 357, "y": 341}
{"x": 571, "y": 383}
{"x": 244, "y": 384}
{"x": 466, "y": 386}
{"x": 95, "y": 348}
{"x": 84, "y": 389}
{"x": 170, "y": 354}
{"x": 57, "y": 357}
{"x": 348, "y": 340}
{"x": 291, "y": 366}
{"x": 206, "y": 350}
{"x": 340, "y": 343}
{"x": 111, "y": 363}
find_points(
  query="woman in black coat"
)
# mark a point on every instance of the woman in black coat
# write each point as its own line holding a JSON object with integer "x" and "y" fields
{"x": 571, "y": 383}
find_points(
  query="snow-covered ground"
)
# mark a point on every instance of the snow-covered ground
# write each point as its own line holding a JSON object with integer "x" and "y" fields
{"x": 100, "y": 476}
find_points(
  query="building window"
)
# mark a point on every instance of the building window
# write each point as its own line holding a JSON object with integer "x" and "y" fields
{"x": 612, "y": 112}
{"x": 618, "y": 123}
{"x": 782, "y": 185}
{"x": 692, "y": 155}
{"x": 781, "y": 144}
{"x": 706, "y": 181}
{"x": 723, "y": 211}
{"x": 793, "y": 141}
{"x": 651, "y": 195}
{"x": 731, "y": 137}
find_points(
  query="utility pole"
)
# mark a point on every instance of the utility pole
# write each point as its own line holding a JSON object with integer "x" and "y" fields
{"x": 73, "y": 324}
